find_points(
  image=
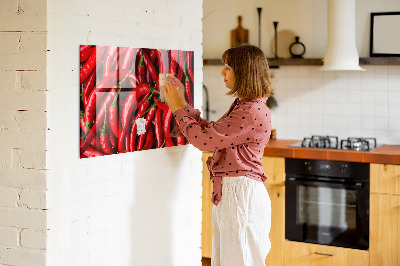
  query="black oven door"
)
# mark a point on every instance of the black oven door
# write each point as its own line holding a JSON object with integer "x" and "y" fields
{"x": 327, "y": 212}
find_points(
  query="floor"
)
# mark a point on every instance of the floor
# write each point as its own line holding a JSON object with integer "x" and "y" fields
{"x": 206, "y": 261}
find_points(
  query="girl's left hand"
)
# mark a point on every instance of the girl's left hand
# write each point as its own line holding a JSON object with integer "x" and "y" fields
{"x": 174, "y": 94}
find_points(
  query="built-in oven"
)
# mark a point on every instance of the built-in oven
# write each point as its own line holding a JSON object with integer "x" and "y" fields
{"x": 327, "y": 202}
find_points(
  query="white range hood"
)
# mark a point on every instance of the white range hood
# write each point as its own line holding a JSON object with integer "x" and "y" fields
{"x": 341, "y": 51}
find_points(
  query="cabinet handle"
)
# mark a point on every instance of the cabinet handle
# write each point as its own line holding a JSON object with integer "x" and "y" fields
{"x": 324, "y": 254}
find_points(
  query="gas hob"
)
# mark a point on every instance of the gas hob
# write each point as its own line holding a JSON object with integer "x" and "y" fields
{"x": 332, "y": 142}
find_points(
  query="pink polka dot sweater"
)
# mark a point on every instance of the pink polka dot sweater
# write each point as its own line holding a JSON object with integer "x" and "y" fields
{"x": 238, "y": 139}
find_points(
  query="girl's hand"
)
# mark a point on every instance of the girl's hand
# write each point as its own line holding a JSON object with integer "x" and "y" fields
{"x": 174, "y": 93}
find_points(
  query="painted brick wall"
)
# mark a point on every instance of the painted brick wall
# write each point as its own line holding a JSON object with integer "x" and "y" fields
{"x": 23, "y": 132}
{"x": 142, "y": 208}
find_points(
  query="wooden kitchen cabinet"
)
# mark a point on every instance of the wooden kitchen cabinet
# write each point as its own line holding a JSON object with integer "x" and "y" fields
{"x": 277, "y": 233}
{"x": 305, "y": 254}
{"x": 274, "y": 168}
{"x": 384, "y": 236}
{"x": 206, "y": 226}
{"x": 385, "y": 178}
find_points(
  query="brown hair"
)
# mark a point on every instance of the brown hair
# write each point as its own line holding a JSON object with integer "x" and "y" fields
{"x": 250, "y": 66}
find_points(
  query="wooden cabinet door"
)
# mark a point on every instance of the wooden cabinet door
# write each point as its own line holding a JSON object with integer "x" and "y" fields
{"x": 274, "y": 168}
{"x": 277, "y": 233}
{"x": 206, "y": 232}
{"x": 385, "y": 178}
{"x": 384, "y": 236}
{"x": 304, "y": 254}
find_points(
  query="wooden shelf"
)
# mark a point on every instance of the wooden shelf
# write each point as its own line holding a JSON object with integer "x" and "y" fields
{"x": 380, "y": 61}
{"x": 274, "y": 63}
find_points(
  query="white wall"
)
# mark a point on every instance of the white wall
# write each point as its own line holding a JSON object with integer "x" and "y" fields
{"x": 311, "y": 102}
{"x": 142, "y": 208}
{"x": 306, "y": 19}
{"x": 23, "y": 133}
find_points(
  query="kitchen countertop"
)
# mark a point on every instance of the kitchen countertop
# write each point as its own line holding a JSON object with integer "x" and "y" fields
{"x": 389, "y": 154}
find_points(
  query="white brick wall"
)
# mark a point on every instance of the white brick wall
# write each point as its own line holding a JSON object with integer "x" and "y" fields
{"x": 142, "y": 208}
{"x": 23, "y": 132}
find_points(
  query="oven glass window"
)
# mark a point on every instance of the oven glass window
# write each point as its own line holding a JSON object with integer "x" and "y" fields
{"x": 326, "y": 207}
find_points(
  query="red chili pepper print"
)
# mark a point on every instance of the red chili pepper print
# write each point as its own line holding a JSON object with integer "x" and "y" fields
{"x": 89, "y": 66}
{"x": 149, "y": 65}
{"x": 85, "y": 55}
{"x": 167, "y": 128}
{"x": 157, "y": 128}
{"x": 104, "y": 138}
{"x": 173, "y": 62}
{"x": 149, "y": 140}
{"x": 88, "y": 87}
{"x": 181, "y": 66}
{"x": 112, "y": 52}
{"x": 120, "y": 102}
{"x": 188, "y": 90}
{"x": 189, "y": 62}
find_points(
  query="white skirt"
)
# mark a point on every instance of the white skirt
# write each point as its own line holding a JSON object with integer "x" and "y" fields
{"x": 241, "y": 223}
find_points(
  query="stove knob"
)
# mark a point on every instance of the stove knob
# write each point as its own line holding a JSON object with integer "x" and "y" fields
{"x": 343, "y": 168}
{"x": 308, "y": 166}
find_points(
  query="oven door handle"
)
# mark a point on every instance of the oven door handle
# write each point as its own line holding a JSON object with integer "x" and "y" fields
{"x": 357, "y": 185}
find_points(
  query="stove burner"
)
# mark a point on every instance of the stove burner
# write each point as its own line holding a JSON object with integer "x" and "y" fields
{"x": 332, "y": 142}
{"x": 358, "y": 144}
{"x": 328, "y": 142}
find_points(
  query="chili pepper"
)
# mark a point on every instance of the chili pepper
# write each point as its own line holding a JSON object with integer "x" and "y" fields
{"x": 108, "y": 61}
{"x": 129, "y": 104}
{"x": 99, "y": 118}
{"x": 181, "y": 65}
{"x": 102, "y": 86}
{"x": 143, "y": 104}
{"x": 173, "y": 62}
{"x": 132, "y": 80}
{"x": 157, "y": 128}
{"x": 162, "y": 106}
{"x": 82, "y": 123}
{"x": 167, "y": 128}
{"x": 88, "y": 87}
{"x": 104, "y": 140}
{"x": 90, "y": 152}
{"x": 149, "y": 117}
{"x": 95, "y": 144}
{"x": 149, "y": 140}
{"x": 189, "y": 62}
{"x": 148, "y": 76}
{"x": 149, "y": 65}
{"x": 90, "y": 65}
{"x": 127, "y": 109}
{"x": 188, "y": 90}
{"x": 153, "y": 55}
{"x": 180, "y": 141}
{"x": 129, "y": 56}
{"x": 113, "y": 118}
{"x": 141, "y": 70}
{"x": 85, "y": 54}
{"x": 85, "y": 47}
{"x": 113, "y": 139}
{"x": 161, "y": 61}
